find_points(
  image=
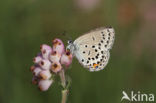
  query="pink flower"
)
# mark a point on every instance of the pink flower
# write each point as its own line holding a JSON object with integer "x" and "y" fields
{"x": 45, "y": 50}
{"x": 48, "y": 63}
{"x": 44, "y": 84}
{"x": 56, "y": 67}
{"x": 45, "y": 74}
{"x": 58, "y": 46}
{"x": 66, "y": 58}
{"x": 55, "y": 56}
{"x": 37, "y": 59}
{"x": 36, "y": 71}
{"x": 45, "y": 64}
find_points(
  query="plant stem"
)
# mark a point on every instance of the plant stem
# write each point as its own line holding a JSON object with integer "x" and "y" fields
{"x": 64, "y": 96}
{"x": 63, "y": 79}
{"x": 63, "y": 83}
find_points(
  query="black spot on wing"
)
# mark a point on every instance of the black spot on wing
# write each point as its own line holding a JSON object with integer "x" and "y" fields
{"x": 87, "y": 61}
{"x": 82, "y": 60}
{"x": 102, "y": 52}
{"x": 93, "y": 46}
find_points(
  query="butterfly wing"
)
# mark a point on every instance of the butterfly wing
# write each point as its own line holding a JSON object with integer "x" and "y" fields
{"x": 92, "y": 49}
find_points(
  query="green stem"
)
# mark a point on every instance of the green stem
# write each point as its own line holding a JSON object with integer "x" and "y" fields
{"x": 63, "y": 79}
{"x": 63, "y": 83}
{"x": 64, "y": 96}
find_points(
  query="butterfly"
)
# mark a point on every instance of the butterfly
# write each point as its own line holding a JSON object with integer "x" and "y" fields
{"x": 92, "y": 48}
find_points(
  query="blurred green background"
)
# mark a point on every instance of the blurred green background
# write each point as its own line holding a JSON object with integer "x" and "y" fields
{"x": 26, "y": 24}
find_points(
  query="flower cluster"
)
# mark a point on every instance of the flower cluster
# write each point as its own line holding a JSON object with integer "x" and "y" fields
{"x": 49, "y": 63}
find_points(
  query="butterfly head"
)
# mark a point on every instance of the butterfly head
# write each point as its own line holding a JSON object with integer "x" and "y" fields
{"x": 70, "y": 46}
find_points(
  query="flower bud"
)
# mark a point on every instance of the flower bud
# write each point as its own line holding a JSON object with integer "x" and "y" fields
{"x": 58, "y": 46}
{"x": 45, "y": 64}
{"x": 45, "y": 74}
{"x": 37, "y": 59}
{"x": 35, "y": 80}
{"x": 55, "y": 56}
{"x": 56, "y": 67}
{"x": 32, "y": 68}
{"x": 66, "y": 58}
{"x": 36, "y": 71}
{"x": 45, "y": 50}
{"x": 44, "y": 84}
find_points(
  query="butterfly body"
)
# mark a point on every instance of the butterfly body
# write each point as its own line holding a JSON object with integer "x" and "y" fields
{"x": 92, "y": 48}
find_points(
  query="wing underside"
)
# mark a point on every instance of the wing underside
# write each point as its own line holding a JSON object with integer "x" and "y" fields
{"x": 92, "y": 49}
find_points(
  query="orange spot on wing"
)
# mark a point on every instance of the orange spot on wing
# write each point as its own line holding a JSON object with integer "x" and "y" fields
{"x": 95, "y": 65}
